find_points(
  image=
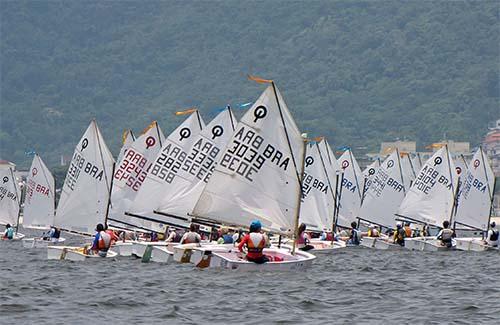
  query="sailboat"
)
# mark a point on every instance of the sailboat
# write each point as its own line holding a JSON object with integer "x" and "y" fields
{"x": 258, "y": 177}
{"x": 85, "y": 196}
{"x": 431, "y": 198}
{"x": 39, "y": 203}
{"x": 368, "y": 174}
{"x": 9, "y": 201}
{"x": 475, "y": 199}
{"x": 319, "y": 185}
{"x": 128, "y": 139}
{"x": 383, "y": 197}
{"x": 351, "y": 190}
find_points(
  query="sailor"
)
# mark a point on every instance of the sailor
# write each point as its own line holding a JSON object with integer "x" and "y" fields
{"x": 399, "y": 234}
{"x": 173, "y": 236}
{"x": 446, "y": 234}
{"x": 355, "y": 237}
{"x": 408, "y": 231}
{"x": 54, "y": 234}
{"x": 255, "y": 242}
{"x": 303, "y": 241}
{"x": 192, "y": 236}
{"x": 492, "y": 238}
{"x": 9, "y": 232}
{"x": 226, "y": 236}
{"x": 373, "y": 231}
{"x": 102, "y": 241}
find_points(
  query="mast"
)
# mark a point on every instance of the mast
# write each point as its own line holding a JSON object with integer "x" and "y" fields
{"x": 109, "y": 195}
{"x": 491, "y": 194}
{"x": 454, "y": 191}
{"x": 18, "y": 199}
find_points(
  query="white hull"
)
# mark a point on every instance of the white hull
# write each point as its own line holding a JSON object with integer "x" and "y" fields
{"x": 123, "y": 248}
{"x": 368, "y": 242}
{"x": 472, "y": 244}
{"x": 72, "y": 253}
{"x": 416, "y": 243}
{"x": 39, "y": 242}
{"x": 161, "y": 254}
{"x": 195, "y": 253}
{"x": 234, "y": 261}
{"x": 434, "y": 245}
{"x": 139, "y": 247}
{"x": 386, "y": 245}
{"x": 325, "y": 246}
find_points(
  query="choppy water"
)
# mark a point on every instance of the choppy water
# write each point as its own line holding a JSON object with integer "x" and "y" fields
{"x": 349, "y": 286}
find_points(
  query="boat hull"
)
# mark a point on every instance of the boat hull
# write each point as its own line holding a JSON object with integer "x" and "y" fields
{"x": 472, "y": 244}
{"x": 196, "y": 253}
{"x": 123, "y": 248}
{"x": 139, "y": 247}
{"x": 325, "y": 246}
{"x": 39, "y": 242}
{"x": 235, "y": 261}
{"x": 434, "y": 245}
{"x": 72, "y": 253}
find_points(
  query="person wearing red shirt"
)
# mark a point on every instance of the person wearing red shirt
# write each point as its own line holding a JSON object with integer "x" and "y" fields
{"x": 255, "y": 242}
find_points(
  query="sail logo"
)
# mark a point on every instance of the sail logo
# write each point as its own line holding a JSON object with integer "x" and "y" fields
{"x": 78, "y": 164}
{"x": 247, "y": 154}
{"x": 133, "y": 169}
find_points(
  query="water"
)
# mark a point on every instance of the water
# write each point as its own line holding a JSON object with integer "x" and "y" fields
{"x": 355, "y": 286}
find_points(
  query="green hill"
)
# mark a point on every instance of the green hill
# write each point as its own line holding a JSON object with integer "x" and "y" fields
{"x": 358, "y": 72}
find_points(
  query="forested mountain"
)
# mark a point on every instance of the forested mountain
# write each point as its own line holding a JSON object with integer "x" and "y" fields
{"x": 359, "y": 72}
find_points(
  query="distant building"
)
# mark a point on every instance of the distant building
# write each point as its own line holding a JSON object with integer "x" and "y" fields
{"x": 403, "y": 146}
{"x": 456, "y": 148}
{"x": 491, "y": 145}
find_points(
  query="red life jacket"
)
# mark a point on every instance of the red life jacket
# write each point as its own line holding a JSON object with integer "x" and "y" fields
{"x": 104, "y": 241}
{"x": 255, "y": 244}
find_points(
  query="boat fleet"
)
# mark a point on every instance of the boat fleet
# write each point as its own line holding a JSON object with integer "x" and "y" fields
{"x": 228, "y": 173}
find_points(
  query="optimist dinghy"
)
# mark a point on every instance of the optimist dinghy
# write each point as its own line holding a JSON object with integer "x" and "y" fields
{"x": 264, "y": 183}
{"x": 10, "y": 202}
{"x": 39, "y": 204}
{"x": 85, "y": 196}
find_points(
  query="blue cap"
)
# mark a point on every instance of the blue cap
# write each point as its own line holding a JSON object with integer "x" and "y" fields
{"x": 256, "y": 224}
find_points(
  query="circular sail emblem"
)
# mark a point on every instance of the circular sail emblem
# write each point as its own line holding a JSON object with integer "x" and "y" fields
{"x": 34, "y": 171}
{"x": 85, "y": 143}
{"x": 5, "y": 179}
{"x": 150, "y": 141}
{"x": 390, "y": 163}
{"x": 185, "y": 133}
{"x": 476, "y": 163}
{"x": 371, "y": 171}
{"x": 217, "y": 131}
{"x": 309, "y": 161}
{"x": 438, "y": 161}
{"x": 259, "y": 112}
{"x": 345, "y": 164}
{"x": 459, "y": 170}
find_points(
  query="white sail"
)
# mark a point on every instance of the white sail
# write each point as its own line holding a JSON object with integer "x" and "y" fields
{"x": 164, "y": 168}
{"x": 39, "y": 201}
{"x": 350, "y": 195}
{"x": 258, "y": 176}
{"x": 460, "y": 166}
{"x": 128, "y": 139}
{"x": 430, "y": 199}
{"x": 474, "y": 199}
{"x": 85, "y": 193}
{"x": 131, "y": 172}
{"x": 369, "y": 173}
{"x": 181, "y": 194}
{"x": 316, "y": 210}
{"x": 385, "y": 194}
{"x": 408, "y": 171}
{"x": 9, "y": 200}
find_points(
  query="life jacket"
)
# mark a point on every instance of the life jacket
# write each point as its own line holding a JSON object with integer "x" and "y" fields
{"x": 255, "y": 244}
{"x": 228, "y": 239}
{"x": 191, "y": 238}
{"x": 302, "y": 241}
{"x": 446, "y": 235}
{"x": 10, "y": 233}
{"x": 355, "y": 237}
{"x": 104, "y": 241}
{"x": 408, "y": 231}
{"x": 57, "y": 233}
{"x": 399, "y": 236}
{"x": 494, "y": 235}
